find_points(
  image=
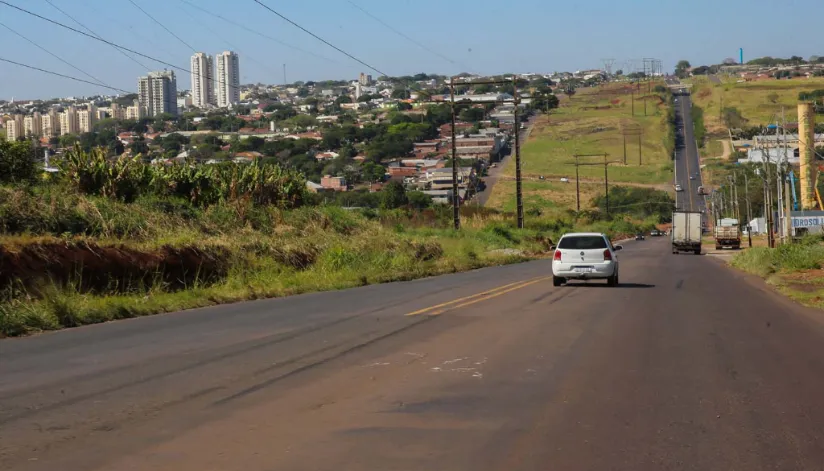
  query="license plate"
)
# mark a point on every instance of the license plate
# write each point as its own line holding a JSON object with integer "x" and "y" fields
{"x": 582, "y": 270}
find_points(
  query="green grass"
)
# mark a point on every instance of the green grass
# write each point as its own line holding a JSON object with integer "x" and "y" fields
{"x": 764, "y": 262}
{"x": 590, "y": 122}
{"x": 257, "y": 252}
{"x": 760, "y": 101}
{"x": 712, "y": 147}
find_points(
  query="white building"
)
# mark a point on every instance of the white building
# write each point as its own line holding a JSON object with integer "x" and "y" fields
{"x": 203, "y": 80}
{"x": 157, "y": 93}
{"x": 14, "y": 128}
{"x": 50, "y": 124}
{"x": 32, "y": 125}
{"x": 227, "y": 79}
{"x": 136, "y": 111}
{"x": 118, "y": 112}
{"x": 69, "y": 122}
{"x": 86, "y": 118}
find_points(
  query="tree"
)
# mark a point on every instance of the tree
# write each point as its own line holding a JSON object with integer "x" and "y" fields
{"x": 18, "y": 162}
{"x": 400, "y": 94}
{"x": 373, "y": 172}
{"x": 472, "y": 114}
{"x": 682, "y": 68}
{"x": 403, "y": 106}
{"x": 303, "y": 92}
{"x": 619, "y": 72}
{"x": 418, "y": 199}
{"x": 732, "y": 118}
{"x": 545, "y": 102}
{"x": 393, "y": 195}
{"x": 482, "y": 89}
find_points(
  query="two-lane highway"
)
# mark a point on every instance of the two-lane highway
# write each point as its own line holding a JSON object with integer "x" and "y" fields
{"x": 687, "y": 365}
{"x": 687, "y": 161}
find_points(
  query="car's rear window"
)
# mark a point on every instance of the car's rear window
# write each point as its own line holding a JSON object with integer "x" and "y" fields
{"x": 582, "y": 243}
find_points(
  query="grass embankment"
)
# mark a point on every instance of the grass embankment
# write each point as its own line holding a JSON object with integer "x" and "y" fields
{"x": 793, "y": 269}
{"x": 759, "y": 102}
{"x": 590, "y": 122}
{"x": 68, "y": 259}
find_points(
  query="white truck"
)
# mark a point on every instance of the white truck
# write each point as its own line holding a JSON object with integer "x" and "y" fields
{"x": 686, "y": 232}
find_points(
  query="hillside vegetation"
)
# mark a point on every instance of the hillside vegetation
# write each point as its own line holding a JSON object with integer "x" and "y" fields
{"x": 592, "y": 121}
{"x": 747, "y": 104}
{"x": 102, "y": 242}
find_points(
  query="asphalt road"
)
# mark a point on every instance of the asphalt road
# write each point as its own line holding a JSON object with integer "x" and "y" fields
{"x": 494, "y": 174}
{"x": 687, "y": 162}
{"x": 687, "y": 366}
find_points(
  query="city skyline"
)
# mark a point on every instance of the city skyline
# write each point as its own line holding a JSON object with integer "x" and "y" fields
{"x": 468, "y": 50}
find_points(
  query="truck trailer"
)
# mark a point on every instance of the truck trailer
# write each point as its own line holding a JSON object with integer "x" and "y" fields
{"x": 686, "y": 232}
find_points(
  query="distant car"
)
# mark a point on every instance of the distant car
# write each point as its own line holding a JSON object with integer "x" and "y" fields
{"x": 692, "y": 177}
{"x": 639, "y": 236}
{"x": 585, "y": 256}
{"x": 564, "y": 180}
{"x": 655, "y": 233}
{"x": 678, "y": 188}
{"x": 700, "y": 190}
{"x": 493, "y": 166}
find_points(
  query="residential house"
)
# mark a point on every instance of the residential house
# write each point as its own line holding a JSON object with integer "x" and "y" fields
{"x": 327, "y": 155}
{"x": 333, "y": 183}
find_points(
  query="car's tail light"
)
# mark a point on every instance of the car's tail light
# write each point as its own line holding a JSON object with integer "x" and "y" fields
{"x": 607, "y": 255}
{"x": 557, "y": 255}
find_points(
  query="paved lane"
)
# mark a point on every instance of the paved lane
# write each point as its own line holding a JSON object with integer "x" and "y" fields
{"x": 687, "y": 366}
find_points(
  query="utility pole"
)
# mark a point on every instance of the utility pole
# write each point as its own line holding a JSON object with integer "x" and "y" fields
{"x": 747, "y": 198}
{"x": 625, "y": 148}
{"x": 516, "y": 101}
{"x": 577, "y": 187}
{"x": 518, "y": 193}
{"x": 577, "y": 164}
{"x": 639, "y": 148}
{"x": 606, "y": 182}
{"x": 456, "y": 205}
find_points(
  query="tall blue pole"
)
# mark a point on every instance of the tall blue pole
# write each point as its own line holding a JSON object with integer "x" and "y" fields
{"x": 741, "y": 55}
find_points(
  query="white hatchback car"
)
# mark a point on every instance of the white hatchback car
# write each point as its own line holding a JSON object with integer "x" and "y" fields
{"x": 585, "y": 256}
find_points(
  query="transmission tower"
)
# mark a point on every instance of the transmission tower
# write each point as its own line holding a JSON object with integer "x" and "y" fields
{"x": 608, "y": 63}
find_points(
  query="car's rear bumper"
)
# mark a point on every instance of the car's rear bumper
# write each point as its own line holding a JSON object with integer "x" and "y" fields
{"x": 567, "y": 270}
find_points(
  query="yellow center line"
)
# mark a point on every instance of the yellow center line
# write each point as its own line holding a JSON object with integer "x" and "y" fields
{"x": 475, "y": 298}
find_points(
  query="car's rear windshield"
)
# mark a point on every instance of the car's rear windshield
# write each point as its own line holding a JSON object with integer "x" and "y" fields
{"x": 582, "y": 243}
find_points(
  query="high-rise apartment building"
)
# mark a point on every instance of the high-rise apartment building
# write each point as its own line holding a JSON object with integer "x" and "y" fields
{"x": 227, "y": 79}
{"x": 14, "y": 128}
{"x": 32, "y": 125}
{"x": 203, "y": 80}
{"x": 364, "y": 79}
{"x": 50, "y": 124}
{"x": 135, "y": 111}
{"x": 69, "y": 122}
{"x": 118, "y": 111}
{"x": 86, "y": 118}
{"x": 157, "y": 93}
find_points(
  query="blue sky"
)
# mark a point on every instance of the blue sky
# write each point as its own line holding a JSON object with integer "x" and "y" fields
{"x": 485, "y": 36}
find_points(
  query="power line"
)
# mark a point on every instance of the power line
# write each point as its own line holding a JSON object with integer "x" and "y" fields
{"x": 162, "y": 25}
{"x": 63, "y": 75}
{"x": 183, "y": 69}
{"x": 56, "y": 56}
{"x": 95, "y": 34}
{"x": 412, "y": 84}
{"x": 263, "y": 35}
{"x": 401, "y": 34}
{"x": 320, "y": 38}
{"x": 215, "y": 33}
